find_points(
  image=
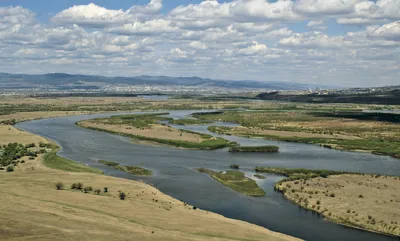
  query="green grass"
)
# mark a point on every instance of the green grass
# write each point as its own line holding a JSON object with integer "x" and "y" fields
{"x": 51, "y": 160}
{"x": 108, "y": 163}
{"x": 235, "y": 180}
{"x": 135, "y": 120}
{"x": 254, "y": 149}
{"x": 259, "y": 176}
{"x": 135, "y": 170}
{"x": 189, "y": 122}
{"x": 299, "y": 173}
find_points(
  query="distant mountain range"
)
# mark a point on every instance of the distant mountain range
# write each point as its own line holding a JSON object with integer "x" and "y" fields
{"x": 62, "y": 81}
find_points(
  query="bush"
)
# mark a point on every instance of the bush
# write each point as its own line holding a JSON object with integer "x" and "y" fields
{"x": 332, "y": 195}
{"x": 87, "y": 189}
{"x": 79, "y": 186}
{"x": 22, "y": 161}
{"x": 105, "y": 189}
{"x": 59, "y": 186}
{"x": 73, "y": 186}
{"x": 97, "y": 191}
{"x": 122, "y": 195}
{"x": 10, "y": 169}
{"x": 360, "y": 196}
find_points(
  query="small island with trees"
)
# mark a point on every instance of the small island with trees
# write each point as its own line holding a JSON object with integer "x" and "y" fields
{"x": 254, "y": 149}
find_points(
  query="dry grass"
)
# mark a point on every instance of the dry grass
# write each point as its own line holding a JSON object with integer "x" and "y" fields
{"x": 24, "y": 116}
{"x": 249, "y": 130}
{"x": 10, "y": 134}
{"x": 154, "y": 131}
{"x": 32, "y": 209}
{"x": 365, "y": 201}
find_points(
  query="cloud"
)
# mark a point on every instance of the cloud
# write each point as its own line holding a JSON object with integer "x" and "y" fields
{"x": 320, "y": 7}
{"x": 390, "y": 31}
{"x": 95, "y": 16}
{"x": 244, "y": 38}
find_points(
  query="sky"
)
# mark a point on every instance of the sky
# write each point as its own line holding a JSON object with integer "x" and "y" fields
{"x": 335, "y": 42}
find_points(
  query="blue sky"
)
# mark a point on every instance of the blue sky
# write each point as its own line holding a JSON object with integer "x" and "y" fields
{"x": 341, "y": 42}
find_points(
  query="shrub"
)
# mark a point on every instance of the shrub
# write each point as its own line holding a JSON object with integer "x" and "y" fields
{"x": 87, "y": 189}
{"x": 73, "y": 186}
{"x": 22, "y": 161}
{"x": 194, "y": 208}
{"x": 122, "y": 195}
{"x": 79, "y": 186}
{"x": 318, "y": 202}
{"x": 360, "y": 196}
{"x": 60, "y": 186}
{"x": 105, "y": 189}
{"x": 97, "y": 191}
{"x": 10, "y": 169}
{"x": 332, "y": 195}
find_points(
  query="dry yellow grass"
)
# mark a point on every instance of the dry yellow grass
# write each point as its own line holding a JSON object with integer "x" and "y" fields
{"x": 24, "y": 116}
{"x": 365, "y": 201}
{"x": 32, "y": 209}
{"x": 153, "y": 131}
{"x": 10, "y": 134}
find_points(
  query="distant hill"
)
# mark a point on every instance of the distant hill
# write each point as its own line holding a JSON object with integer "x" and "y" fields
{"x": 382, "y": 95}
{"x": 67, "y": 81}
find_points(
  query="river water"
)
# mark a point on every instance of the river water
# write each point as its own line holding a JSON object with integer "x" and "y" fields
{"x": 175, "y": 174}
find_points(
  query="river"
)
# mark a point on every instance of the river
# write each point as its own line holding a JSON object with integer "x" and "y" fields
{"x": 175, "y": 174}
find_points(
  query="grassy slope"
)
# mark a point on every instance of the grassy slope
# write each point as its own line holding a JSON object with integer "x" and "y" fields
{"x": 53, "y": 161}
{"x": 236, "y": 180}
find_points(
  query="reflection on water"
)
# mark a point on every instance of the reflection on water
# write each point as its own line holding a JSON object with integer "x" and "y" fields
{"x": 175, "y": 174}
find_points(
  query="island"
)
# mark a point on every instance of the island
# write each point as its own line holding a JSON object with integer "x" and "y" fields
{"x": 235, "y": 180}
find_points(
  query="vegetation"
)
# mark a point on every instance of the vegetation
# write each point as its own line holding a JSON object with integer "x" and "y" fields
{"x": 235, "y": 180}
{"x": 135, "y": 170}
{"x": 299, "y": 173}
{"x": 51, "y": 160}
{"x": 259, "y": 176}
{"x": 377, "y": 133}
{"x": 189, "y": 122}
{"x": 12, "y": 152}
{"x": 234, "y": 166}
{"x": 254, "y": 149}
{"x": 59, "y": 185}
{"x": 122, "y": 195}
{"x": 208, "y": 144}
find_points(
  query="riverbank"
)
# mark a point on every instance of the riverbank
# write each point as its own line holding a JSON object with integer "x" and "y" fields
{"x": 144, "y": 127}
{"x": 235, "y": 180}
{"x": 369, "y": 202}
{"x": 254, "y": 149}
{"x": 134, "y": 170}
{"x": 33, "y": 207}
{"x": 375, "y": 133}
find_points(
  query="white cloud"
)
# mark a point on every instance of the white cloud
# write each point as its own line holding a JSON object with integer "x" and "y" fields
{"x": 330, "y": 7}
{"x": 390, "y": 31}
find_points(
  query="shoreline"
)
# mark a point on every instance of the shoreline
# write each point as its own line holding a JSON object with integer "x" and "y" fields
{"x": 334, "y": 220}
{"x": 327, "y": 146}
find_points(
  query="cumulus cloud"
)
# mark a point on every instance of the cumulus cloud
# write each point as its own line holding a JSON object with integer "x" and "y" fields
{"x": 390, "y": 31}
{"x": 95, "y": 16}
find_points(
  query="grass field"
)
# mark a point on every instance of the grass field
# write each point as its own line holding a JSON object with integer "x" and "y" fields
{"x": 365, "y": 201}
{"x": 235, "y": 180}
{"x": 375, "y": 133}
